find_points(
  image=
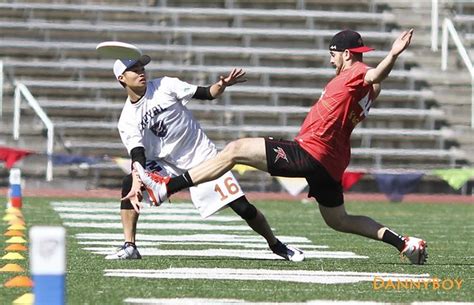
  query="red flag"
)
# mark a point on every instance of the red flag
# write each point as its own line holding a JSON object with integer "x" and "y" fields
{"x": 12, "y": 155}
{"x": 350, "y": 178}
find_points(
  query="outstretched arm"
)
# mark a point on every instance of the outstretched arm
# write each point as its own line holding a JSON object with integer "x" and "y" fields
{"x": 234, "y": 77}
{"x": 382, "y": 70}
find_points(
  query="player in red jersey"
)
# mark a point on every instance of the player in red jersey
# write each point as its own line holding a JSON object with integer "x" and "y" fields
{"x": 321, "y": 151}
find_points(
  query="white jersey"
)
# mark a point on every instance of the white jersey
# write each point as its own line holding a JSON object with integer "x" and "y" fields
{"x": 174, "y": 141}
{"x": 162, "y": 124}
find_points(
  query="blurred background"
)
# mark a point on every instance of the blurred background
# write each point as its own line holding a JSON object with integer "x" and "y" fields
{"x": 68, "y": 102}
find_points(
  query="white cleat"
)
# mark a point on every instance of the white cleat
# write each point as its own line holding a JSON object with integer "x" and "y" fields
{"x": 125, "y": 252}
{"x": 155, "y": 185}
{"x": 287, "y": 252}
{"x": 415, "y": 250}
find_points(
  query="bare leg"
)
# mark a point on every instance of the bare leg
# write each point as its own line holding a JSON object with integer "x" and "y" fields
{"x": 338, "y": 219}
{"x": 247, "y": 151}
{"x": 129, "y": 223}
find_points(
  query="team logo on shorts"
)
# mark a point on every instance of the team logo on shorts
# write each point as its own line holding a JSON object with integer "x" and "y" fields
{"x": 280, "y": 154}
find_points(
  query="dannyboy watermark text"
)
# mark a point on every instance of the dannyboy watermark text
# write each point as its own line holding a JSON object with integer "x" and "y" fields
{"x": 446, "y": 284}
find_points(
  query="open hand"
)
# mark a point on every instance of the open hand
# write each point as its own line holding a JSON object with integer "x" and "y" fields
{"x": 234, "y": 77}
{"x": 135, "y": 195}
{"x": 402, "y": 42}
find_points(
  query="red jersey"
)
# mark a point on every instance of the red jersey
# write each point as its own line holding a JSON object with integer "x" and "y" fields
{"x": 326, "y": 131}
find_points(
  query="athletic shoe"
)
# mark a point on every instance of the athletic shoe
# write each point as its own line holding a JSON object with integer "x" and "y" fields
{"x": 415, "y": 250}
{"x": 155, "y": 185}
{"x": 287, "y": 252}
{"x": 127, "y": 251}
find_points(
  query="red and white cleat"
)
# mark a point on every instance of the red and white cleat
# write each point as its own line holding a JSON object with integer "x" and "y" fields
{"x": 415, "y": 250}
{"x": 155, "y": 185}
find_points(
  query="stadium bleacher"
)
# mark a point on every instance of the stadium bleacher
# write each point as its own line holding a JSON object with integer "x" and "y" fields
{"x": 50, "y": 48}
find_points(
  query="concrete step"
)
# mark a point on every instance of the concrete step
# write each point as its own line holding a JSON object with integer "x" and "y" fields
{"x": 434, "y": 76}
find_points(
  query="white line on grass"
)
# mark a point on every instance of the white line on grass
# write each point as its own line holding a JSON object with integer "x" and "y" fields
{"x": 298, "y": 276}
{"x": 263, "y": 245}
{"x": 74, "y": 216}
{"x": 198, "y": 301}
{"x": 248, "y": 254}
{"x": 85, "y": 203}
{"x": 158, "y": 226}
{"x": 116, "y": 210}
{"x": 97, "y": 204}
{"x": 193, "y": 237}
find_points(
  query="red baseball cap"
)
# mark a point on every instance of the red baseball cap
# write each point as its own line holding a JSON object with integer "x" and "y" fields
{"x": 348, "y": 40}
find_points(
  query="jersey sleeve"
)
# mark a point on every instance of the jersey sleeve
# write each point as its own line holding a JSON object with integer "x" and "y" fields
{"x": 182, "y": 91}
{"x": 129, "y": 132}
{"x": 356, "y": 79}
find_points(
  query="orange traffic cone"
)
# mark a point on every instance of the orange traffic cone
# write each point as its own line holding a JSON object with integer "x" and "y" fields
{"x": 19, "y": 281}
{"x": 12, "y": 268}
{"x": 16, "y": 247}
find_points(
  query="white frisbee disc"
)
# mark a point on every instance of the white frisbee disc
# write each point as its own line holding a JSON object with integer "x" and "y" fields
{"x": 118, "y": 50}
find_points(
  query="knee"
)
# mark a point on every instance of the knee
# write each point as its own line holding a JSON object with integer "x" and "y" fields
{"x": 232, "y": 150}
{"x": 337, "y": 222}
{"x": 243, "y": 208}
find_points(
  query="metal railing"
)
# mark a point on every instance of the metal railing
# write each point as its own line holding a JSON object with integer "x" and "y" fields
{"x": 1, "y": 89}
{"x": 448, "y": 28}
{"x": 22, "y": 90}
{"x": 434, "y": 25}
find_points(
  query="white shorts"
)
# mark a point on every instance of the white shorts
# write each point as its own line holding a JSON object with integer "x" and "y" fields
{"x": 210, "y": 197}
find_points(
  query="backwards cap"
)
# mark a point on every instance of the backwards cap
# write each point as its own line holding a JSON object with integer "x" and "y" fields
{"x": 348, "y": 40}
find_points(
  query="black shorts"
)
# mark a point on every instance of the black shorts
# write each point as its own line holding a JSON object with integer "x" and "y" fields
{"x": 288, "y": 159}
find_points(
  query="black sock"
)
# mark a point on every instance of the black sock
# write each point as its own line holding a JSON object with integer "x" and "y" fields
{"x": 179, "y": 183}
{"x": 394, "y": 239}
{"x": 277, "y": 245}
{"x": 129, "y": 243}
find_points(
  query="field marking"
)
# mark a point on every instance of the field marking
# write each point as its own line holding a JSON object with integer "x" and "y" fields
{"x": 297, "y": 276}
{"x": 187, "y": 218}
{"x": 193, "y": 237}
{"x": 159, "y": 226}
{"x": 196, "y": 301}
{"x": 263, "y": 245}
{"x": 116, "y": 210}
{"x": 116, "y": 204}
{"x": 260, "y": 252}
{"x": 247, "y": 254}
{"x": 199, "y": 301}
{"x": 70, "y": 203}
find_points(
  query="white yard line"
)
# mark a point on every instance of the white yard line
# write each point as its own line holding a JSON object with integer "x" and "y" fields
{"x": 99, "y": 207}
{"x": 116, "y": 204}
{"x": 158, "y": 226}
{"x": 193, "y": 237}
{"x": 116, "y": 210}
{"x": 248, "y": 254}
{"x": 196, "y": 301}
{"x": 298, "y": 276}
{"x": 262, "y": 245}
{"x": 156, "y": 217}
{"x": 84, "y": 203}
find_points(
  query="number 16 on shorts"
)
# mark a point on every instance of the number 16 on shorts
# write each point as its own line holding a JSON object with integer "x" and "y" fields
{"x": 229, "y": 187}
{"x": 211, "y": 196}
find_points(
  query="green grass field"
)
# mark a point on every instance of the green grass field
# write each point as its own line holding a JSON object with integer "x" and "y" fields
{"x": 447, "y": 228}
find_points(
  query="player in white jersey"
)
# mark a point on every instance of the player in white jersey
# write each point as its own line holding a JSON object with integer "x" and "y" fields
{"x": 162, "y": 135}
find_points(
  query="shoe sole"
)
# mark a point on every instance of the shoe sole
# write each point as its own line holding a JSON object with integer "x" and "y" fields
{"x": 423, "y": 255}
